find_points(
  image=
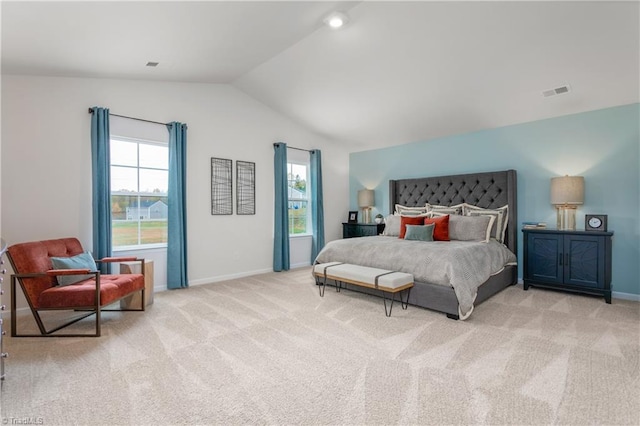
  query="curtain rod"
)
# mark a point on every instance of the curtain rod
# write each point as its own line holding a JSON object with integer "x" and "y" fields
{"x": 299, "y": 149}
{"x": 132, "y": 118}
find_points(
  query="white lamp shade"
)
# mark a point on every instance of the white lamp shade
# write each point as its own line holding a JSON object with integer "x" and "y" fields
{"x": 567, "y": 190}
{"x": 366, "y": 198}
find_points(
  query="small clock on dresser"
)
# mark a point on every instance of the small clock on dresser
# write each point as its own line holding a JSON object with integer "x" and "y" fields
{"x": 595, "y": 222}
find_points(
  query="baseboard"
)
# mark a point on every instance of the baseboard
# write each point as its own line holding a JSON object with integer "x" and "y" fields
{"x": 219, "y": 278}
{"x": 625, "y": 296}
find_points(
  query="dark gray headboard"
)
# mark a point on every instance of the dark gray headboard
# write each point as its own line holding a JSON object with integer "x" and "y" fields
{"x": 486, "y": 190}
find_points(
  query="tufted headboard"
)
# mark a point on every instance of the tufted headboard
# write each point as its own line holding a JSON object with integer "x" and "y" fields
{"x": 486, "y": 190}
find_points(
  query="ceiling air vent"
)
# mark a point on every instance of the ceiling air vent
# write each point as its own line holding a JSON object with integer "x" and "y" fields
{"x": 557, "y": 91}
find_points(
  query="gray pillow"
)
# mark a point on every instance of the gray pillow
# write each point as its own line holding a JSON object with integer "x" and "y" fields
{"x": 470, "y": 228}
{"x": 499, "y": 225}
{"x": 419, "y": 232}
{"x": 80, "y": 261}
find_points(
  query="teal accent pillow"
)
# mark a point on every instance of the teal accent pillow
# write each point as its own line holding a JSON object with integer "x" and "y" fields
{"x": 419, "y": 232}
{"x": 80, "y": 261}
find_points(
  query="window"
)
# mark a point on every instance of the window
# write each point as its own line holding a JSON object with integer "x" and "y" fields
{"x": 299, "y": 199}
{"x": 139, "y": 183}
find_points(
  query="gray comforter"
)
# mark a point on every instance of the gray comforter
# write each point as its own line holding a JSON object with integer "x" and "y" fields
{"x": 462, "y": 265}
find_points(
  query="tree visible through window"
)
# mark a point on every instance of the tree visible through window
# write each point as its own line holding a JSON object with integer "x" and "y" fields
{"x": 139, "y": 182}
{"x": 299, "y": 199}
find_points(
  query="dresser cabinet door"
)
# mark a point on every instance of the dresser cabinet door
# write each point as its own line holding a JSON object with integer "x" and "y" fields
{"x": 351, "y": 230}
{"x": 584, "y": 261}
{"x": 545, "y": 260}
{"x": 367, "y": 230}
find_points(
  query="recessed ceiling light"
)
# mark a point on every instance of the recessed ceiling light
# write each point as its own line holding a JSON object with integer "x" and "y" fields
{"x": 336, "y": 20}
{"x": 152, "y": 64}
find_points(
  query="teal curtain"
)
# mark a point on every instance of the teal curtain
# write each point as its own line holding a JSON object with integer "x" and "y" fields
{"x": 281, "y": 227}
{"x": 317, "y": 207}
{"x": 177, "y": 207}
{"x": 101, "y": 187}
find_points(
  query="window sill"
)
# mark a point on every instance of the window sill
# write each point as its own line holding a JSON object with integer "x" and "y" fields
{"x": 301, "y": 236}
{"x": 146, "y": 247}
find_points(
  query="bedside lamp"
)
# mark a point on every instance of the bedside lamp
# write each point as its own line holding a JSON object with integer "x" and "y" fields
{"x": 366, "y": 201}
{"x": 567, "y": 192}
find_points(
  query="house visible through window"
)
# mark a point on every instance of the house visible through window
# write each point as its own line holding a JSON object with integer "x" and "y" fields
{"x": 139, "y": 182}
{"x": 299, "y": 199}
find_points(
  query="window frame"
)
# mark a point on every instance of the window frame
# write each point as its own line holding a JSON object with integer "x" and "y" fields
{"x": 139, "y": 194}
{"x": 307, "y": 199}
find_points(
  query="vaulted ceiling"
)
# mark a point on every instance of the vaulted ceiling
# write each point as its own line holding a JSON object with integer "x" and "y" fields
{"x": 398, "y": 72}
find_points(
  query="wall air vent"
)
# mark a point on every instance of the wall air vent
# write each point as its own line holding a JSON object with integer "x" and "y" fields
{"x": 557, "y": 91}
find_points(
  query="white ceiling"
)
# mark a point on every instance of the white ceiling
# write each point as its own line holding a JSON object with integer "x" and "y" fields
{"x": 210, "y": 42}
{"x": 399, "y": 72}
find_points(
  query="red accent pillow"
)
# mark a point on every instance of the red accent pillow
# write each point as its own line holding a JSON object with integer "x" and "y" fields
{"x": 441, "y": 229}
{"x": 409, "y": 220}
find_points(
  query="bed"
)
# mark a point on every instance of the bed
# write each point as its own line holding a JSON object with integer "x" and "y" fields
{"x": 488, "y": 190}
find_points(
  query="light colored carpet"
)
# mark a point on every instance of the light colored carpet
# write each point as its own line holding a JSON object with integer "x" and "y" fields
{"x": 268, "y": 350}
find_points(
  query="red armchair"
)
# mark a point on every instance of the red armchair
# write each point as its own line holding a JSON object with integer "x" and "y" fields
{"x": 33, "y": 269}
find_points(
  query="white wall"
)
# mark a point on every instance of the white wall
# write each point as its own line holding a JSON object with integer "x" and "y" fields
{"x": 46, "y": 163}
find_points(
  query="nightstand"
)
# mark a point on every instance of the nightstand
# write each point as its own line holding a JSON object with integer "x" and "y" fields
{"x": 133, "y": 301}
{"x": 578, "y": 261}
{"x": 350, "y": 230}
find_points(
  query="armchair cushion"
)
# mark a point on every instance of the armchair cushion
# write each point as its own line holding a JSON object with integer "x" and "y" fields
{"x": 79, "y": 261}
{"x": 82, "y": 294}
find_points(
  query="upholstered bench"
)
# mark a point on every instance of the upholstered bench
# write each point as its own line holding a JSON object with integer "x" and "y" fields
{"x": 365, "y": 276}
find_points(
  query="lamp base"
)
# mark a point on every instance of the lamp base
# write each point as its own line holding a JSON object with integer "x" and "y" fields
{"x": 566, "y": 218}
{"x": 367, "y": 214}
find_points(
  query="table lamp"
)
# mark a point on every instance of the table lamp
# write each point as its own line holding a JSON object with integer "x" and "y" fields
{"x": 567, "y": 192}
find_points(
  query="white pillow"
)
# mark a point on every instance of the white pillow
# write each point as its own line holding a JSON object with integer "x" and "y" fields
{"x": 437, "y": 214}
{"x": 457, "y": 209}
{"x": 411, "y": 211}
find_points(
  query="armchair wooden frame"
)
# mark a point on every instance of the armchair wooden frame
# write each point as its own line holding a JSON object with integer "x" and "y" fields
{"x": 93, "y": 309}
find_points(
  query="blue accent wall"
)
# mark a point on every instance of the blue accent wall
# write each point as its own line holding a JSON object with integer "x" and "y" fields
{"x": 603, "y": 146}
